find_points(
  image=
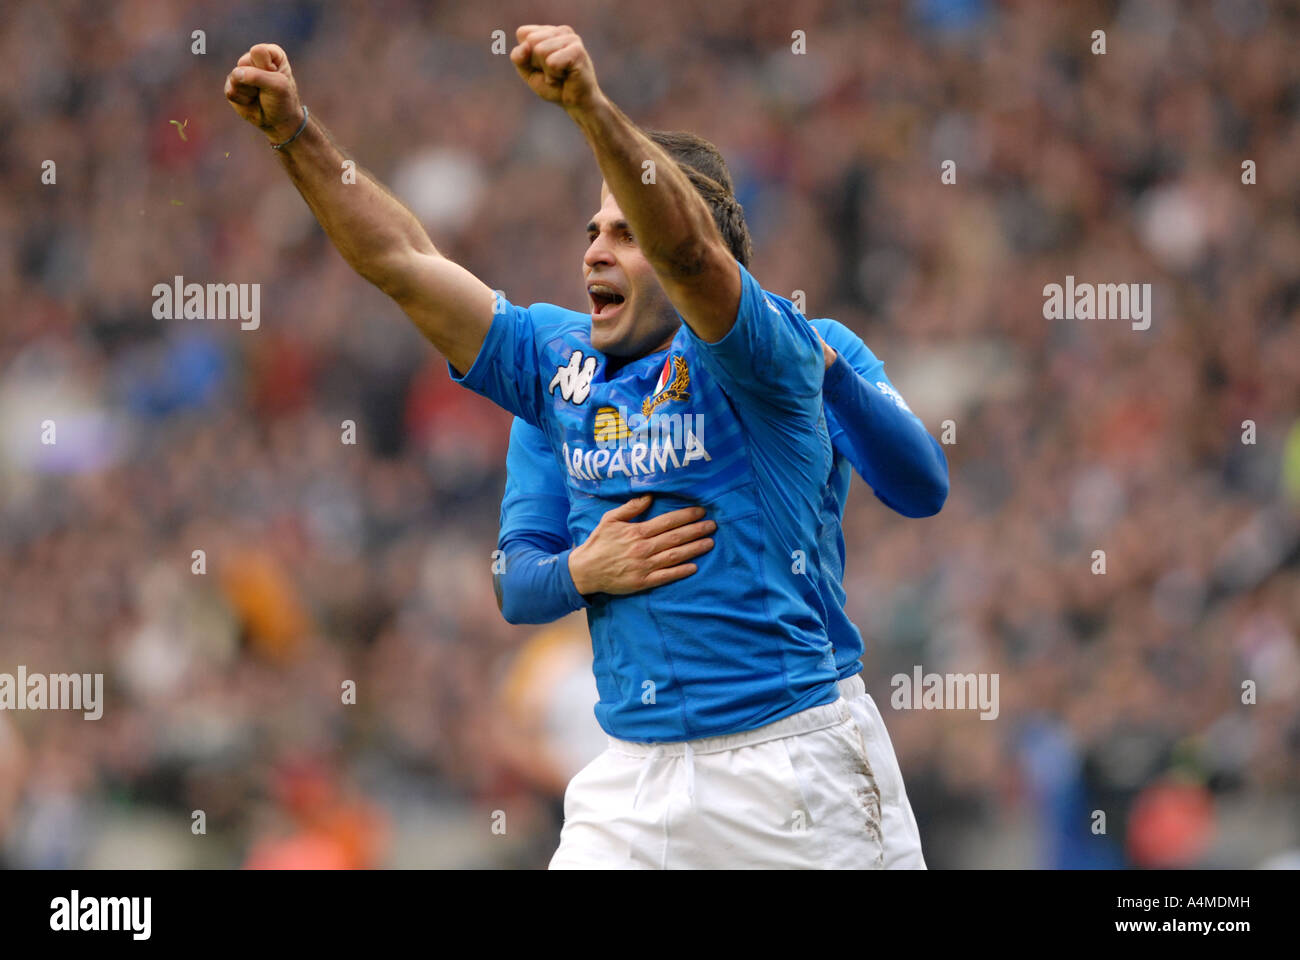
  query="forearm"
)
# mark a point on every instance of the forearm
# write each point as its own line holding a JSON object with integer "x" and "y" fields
{"x": 370, "y": 227}
{"x": 670, "y": 220}
{"x": 377, "y": 236}
{"x": 887, "y": 445}
{"x": 536, "y": 586}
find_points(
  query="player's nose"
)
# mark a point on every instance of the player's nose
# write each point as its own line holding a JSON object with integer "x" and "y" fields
{"x": 599, "y": 253}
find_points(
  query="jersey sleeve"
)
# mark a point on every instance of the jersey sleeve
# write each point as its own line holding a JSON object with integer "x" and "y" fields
{"x": 535, "y": 585}
{"x": 532, "y": 579}
{"x": 536, "y": 497}
{"x": 507, "y": 368}
{"x": 849, "y": 345}
{"x": 770, "y": 355}
{"x": 872, "y": 426}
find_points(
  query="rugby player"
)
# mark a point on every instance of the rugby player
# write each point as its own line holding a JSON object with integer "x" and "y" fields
{"x": 543, "y": 577}
{"x": 733, "y": 745}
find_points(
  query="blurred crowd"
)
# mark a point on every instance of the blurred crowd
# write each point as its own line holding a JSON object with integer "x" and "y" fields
{"x": 304, "y": 661}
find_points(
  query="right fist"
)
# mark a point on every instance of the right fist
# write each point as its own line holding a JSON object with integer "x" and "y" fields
{"x": 262, "y": 90}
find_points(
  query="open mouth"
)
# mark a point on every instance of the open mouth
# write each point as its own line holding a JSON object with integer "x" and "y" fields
{"x": 605, "y": 300}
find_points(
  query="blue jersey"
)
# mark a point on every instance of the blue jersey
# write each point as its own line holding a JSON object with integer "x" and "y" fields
{"x": 736, "y": 427}
{"x": 536, "y": 499}
{"x": 846, "y": 639}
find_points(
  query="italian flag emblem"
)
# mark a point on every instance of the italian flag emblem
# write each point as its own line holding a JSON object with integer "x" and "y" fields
{"x": 673, "y": 381}
{"x": 663, "y": 376}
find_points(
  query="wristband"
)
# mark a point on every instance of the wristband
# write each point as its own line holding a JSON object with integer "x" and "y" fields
{"x": 277, "y": 146}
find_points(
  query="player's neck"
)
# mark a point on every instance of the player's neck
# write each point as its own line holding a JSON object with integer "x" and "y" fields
{"x": 614, "y": 364}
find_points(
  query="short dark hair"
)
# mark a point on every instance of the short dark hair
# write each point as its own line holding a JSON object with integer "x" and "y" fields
{"x": 708, "y": 173}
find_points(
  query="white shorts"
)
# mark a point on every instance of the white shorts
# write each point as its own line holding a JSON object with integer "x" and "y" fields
{"x": 796, "y": 794}
{"x": 902, "y": 839}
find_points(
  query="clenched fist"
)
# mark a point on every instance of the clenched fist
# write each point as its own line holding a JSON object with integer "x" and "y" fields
{"x": 262, "y": 90}
{"x": 555, "y": 64}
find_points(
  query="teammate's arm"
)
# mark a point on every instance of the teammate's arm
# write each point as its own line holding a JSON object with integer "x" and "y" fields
{"x": 543, "y": 577}
{"x": 869, "y": 424}
{"x": 670, "y": 220}
{"x": 531, "y": 576}
{"x": 378, "y": 237}
{"x": 535, "y": 585}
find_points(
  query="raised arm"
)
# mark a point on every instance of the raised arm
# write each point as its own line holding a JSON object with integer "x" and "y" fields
{"x": 379, "y": 237}
{"x": 669, "y": 218}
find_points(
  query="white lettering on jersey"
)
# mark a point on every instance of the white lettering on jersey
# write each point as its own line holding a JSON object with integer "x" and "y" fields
{"x": 659, "y": 455}
{"x": 604, "y": 464}
{"x": 639, "y": 450}
{"x": 616, "y": 464}
{"x": 892, "y": 394}
{"x": 694, "y": 449}
{"x": 574, "y": 378}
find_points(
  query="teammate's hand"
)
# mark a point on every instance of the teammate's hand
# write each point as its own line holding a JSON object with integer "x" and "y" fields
{"x": 624, "y": 556}
{"x": 828, "y": 354}
{"x": 555, "y": 64}
{"x": 262, "y": 90}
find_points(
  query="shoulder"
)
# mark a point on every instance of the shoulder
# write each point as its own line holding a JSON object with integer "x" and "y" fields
{"x": 523, "y": 435}
{"x": 843, "y": 340}
{"x": 766, "y": 298}
{"x": 553, "y": 320}
{"x": 754, "y": 299}
{"x": 837, "y": 334}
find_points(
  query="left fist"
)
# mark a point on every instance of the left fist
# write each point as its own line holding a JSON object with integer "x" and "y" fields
{"x": 555, "y": 64}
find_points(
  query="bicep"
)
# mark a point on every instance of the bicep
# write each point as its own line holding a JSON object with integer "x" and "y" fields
{"x": 448, "y": 304}
{"x": 770, "y": 359}
{"x": 703, "y": 284}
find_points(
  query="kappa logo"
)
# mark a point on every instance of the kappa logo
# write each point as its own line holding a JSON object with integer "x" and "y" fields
{"x": 667, "y": 391}
{"x": 574, "y": 378}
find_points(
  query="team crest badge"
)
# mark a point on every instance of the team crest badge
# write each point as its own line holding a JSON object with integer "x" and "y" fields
{"x": 674, "y": 380}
